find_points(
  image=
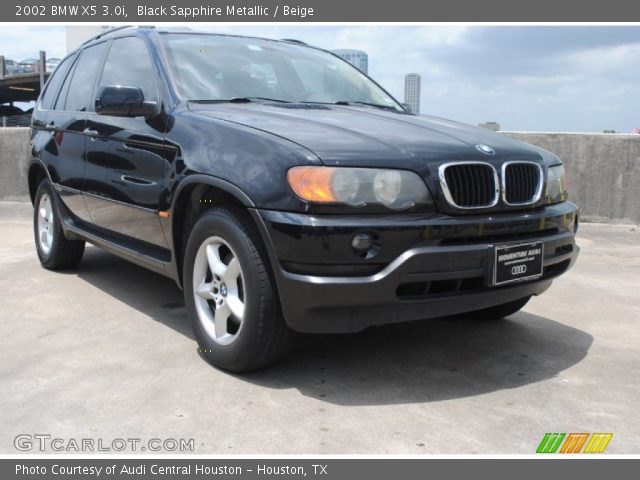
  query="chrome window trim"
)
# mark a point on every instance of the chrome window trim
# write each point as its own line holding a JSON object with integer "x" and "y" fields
{"x": 447, "y": 193}
{"x": 538, "y": 191}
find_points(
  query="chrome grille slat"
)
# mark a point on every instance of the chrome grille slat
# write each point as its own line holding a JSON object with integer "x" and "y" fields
{"x": 521, "y": 182}
{"x": 469, "y": 185}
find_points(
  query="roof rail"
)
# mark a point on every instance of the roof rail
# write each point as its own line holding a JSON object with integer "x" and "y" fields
{"x": 293, "y": 40}
{"x": 112, "y": 30}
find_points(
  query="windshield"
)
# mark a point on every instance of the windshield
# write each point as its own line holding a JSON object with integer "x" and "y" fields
{"x": 214, "y": 67}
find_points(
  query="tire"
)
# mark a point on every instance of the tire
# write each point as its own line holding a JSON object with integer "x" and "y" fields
{"x": 498, "y": 311}
{"x": 55, "y": 251}
{"x": 230, "y": 293}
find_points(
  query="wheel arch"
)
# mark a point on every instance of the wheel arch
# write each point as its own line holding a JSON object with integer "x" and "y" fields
{"x": 195, "y": 194}
{"x": 35, "y": 174}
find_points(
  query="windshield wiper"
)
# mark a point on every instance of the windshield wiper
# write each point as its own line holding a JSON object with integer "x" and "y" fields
{"x": 239, "y": 100}
{"x": 368, "y": 104}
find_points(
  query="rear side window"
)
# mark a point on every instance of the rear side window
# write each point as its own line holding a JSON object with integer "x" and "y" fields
{"x": 128, "y": 64}
{"x": 81, "y": 85}
{"x": 53, "y": 85}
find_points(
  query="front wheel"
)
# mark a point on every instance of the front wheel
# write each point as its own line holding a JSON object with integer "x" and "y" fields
{"x": 498, "y": 311}
{"x": 230, "y": 294}
{"x": 55, "y": 251}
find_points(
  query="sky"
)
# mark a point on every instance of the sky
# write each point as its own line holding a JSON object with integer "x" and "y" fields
{"x": 527, "y": 78}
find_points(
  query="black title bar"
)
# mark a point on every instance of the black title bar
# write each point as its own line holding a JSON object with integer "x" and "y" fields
{"x": 110, "y": 11}
{"x": 313, "y": 469}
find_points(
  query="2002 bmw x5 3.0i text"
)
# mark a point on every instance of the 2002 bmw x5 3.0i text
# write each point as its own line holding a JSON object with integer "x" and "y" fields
{"x": 286, "y": 191}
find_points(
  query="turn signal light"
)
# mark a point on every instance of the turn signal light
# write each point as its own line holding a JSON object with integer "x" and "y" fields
{"x": 312, "y": 184}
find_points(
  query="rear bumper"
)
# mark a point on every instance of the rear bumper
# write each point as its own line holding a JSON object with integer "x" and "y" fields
{"x": 447, "y": 269}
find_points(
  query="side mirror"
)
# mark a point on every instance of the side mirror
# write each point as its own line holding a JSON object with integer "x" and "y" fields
{"x": 407, "y": 107}
{"x": 123, "y": 102}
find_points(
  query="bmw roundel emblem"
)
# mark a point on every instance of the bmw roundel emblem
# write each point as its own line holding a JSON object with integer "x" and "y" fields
{"x": 485, "y": 149}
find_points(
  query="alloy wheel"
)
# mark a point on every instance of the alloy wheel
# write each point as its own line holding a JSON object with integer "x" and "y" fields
{"x": 219, "y": 290}
{"x": 45, "y": 224}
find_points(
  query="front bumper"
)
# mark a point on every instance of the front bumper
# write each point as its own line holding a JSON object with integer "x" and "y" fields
{"x": 427, "y": 266}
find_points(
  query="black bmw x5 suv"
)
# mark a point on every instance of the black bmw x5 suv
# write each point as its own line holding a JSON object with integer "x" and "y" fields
{"x": 284, "y": 190}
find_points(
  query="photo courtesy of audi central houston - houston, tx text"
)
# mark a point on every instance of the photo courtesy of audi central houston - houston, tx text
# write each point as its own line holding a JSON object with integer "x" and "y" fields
{"x": 317, "y": 239}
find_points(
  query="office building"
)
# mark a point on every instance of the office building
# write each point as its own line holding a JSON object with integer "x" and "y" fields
{"x": 412, "y": 91}
{"x": 357, "y": 58}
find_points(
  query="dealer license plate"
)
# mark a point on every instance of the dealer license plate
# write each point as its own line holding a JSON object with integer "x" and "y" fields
{"x": 514, "y": 263}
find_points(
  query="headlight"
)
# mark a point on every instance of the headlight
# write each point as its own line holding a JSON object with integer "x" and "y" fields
{"x": 395, "y": 189}
{"x": 556, "y": 185}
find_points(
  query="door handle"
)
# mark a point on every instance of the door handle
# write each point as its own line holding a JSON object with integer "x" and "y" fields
{"x": 92, "y": 133}
{"x": 136, "y": 181}
{"x": 50, "y": 127}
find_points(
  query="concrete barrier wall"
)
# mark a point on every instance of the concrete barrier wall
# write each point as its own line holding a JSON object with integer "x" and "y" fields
{"x": 14, "y": 143}
{"x": 603, "y": 170}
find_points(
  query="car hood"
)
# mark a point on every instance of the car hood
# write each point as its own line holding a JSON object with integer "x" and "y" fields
{"x": 365, "y": 136}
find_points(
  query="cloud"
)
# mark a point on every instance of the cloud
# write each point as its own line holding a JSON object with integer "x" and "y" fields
{"x": 21, "y": 42}
{"x": 565, "y": 78}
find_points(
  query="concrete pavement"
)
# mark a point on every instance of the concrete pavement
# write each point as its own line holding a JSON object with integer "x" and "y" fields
{"x": 106, "y": 352}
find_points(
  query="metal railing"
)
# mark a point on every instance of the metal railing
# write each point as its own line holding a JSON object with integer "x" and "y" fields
{"x": 16, "y": 120}
{"x": 40, "y": 67}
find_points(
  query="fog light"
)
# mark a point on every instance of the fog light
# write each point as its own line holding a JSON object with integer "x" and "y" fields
{"x": 362, "y": 242}
{"x": 365, "y": 244}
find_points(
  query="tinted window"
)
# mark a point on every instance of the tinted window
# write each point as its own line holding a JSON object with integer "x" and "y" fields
{"x": 59, "y": 103}
{"x": 128, "y": 65}
{"x": 81, "y": 86}
{"x": 215, "y": 67}
{"x": 53, "y": 85}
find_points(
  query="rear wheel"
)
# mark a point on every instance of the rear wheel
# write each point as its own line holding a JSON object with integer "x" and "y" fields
{"x": 230, "y": 293}
{"x": 498, "y": 311}
{"x": 55, "y": 251}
